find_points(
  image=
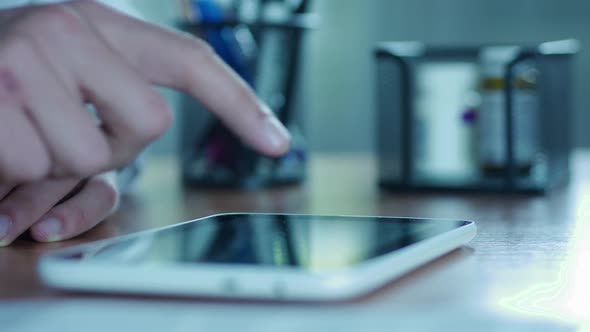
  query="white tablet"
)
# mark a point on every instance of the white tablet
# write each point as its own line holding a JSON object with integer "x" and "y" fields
{"x": 258, "y": 256}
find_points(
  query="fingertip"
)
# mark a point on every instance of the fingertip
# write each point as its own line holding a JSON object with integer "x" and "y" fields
{"x": 92, "y": 204}
{"x": 47, "y": 230}
{"x": 278, "y": 139}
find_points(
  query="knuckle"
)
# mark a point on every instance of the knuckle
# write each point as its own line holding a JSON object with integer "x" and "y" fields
{"x": 37, "y": 170}
{"x": 157, "y": 120}
{"x": 92, "y": 156}
{"x": 30, "y": 170}
{"x": 199, "y": 46}
{"x": 196, "y": 51}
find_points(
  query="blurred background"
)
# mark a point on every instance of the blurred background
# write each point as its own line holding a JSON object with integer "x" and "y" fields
{"x": 338, "y": 69}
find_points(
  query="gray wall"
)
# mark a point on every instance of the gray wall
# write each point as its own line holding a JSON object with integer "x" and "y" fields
{"x": 338, "y": 78}
{"x": 339, "y": 72}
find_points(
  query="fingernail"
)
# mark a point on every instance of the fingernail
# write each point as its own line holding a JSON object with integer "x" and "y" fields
{"x": 4, "y": 229}
{"x": 278, "y": 136}
{"x": 49, "y": 229}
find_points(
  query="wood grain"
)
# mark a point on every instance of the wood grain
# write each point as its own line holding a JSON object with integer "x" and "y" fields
{"x": 530, "y": 257}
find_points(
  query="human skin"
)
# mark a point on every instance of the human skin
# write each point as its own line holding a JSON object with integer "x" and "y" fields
{"x": 54, "y": 60}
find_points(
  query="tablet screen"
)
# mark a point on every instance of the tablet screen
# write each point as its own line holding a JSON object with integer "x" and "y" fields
{"x": 315, "y": 243}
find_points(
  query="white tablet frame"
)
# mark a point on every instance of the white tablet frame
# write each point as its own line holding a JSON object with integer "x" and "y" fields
{"x": 243, "y": 281}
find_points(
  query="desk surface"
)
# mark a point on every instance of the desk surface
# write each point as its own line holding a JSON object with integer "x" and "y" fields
{"x": 528, "y": 268}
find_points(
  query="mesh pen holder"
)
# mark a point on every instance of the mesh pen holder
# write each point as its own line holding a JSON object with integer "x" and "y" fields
{"x": 420, "y": 147}
{"x": 211, "y": 154}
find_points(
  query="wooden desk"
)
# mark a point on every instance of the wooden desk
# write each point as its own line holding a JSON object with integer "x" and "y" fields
{"x": 528, "y": 268}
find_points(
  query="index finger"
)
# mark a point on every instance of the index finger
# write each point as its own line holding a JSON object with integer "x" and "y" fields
{"x": 168, "y": 58}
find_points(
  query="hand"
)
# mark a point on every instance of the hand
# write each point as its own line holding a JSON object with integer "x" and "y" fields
{"x": 56, "y": 209}
{"x": 56, "y": 58}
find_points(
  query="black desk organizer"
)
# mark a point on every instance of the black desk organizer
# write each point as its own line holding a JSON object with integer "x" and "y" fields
{"x": 396, "y": 72}
{"x": 240, "y": 166}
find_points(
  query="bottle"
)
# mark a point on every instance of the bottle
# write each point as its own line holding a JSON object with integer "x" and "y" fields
{"x": 492, "y": 112}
